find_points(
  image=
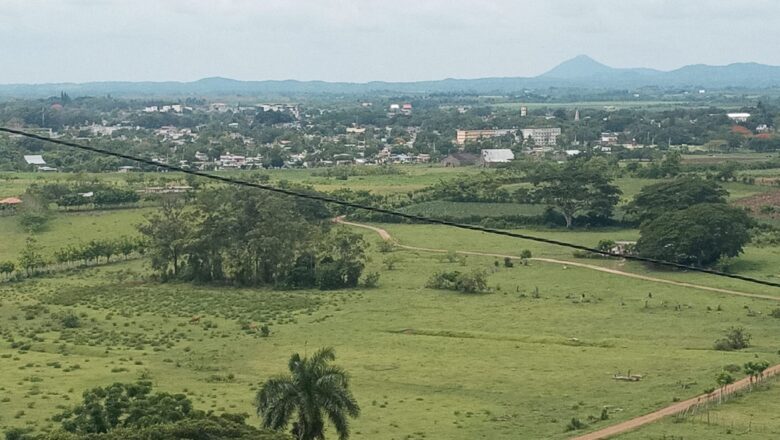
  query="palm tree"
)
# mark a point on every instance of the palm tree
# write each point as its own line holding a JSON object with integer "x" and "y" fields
{"x": 313, "y": 389}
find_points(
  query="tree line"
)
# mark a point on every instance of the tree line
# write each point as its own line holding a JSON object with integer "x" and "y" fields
{"x": 252, "y": 238}
{"x": 70, "y": 195}
{"x": 32, "y": 261}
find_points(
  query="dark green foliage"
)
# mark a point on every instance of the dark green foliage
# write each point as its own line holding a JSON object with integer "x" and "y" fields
{"x": 660, "y": 198}
{"x": 70, "y": 195}
{"x": 580, "y": 186}
{"x": 699, "y": 235}
{"x": 313, "y": 392}
{"x": 31, "y": 259}
{"x": 485, "y": 187}
{"x": 70, "y": 321}
{"x": 251, "y": 238}
{"x": 575, "y": 424}
{"x": 605, "y": 245}
{"x": 124, "y": 405}
{"x": 775, "y": 313}
{"x": 33, "y": 221}
{"x": 473, "y": 282}
{"x": 755, "y": 369}
{"x": 7, "y": 267}
{"x": 724, "y": 378}
{"x": 18, "y": 434}
{"x": 736, "y": 338}
{"x": 167, "y": 233}
{"x": 206, "y": 427}
{"x": 371, "y": 280}
{"x": 343, "y": 258}
{"x": 508, "y": 262}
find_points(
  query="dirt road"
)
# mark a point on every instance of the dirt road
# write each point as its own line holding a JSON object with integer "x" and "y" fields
{"x": 387, "y": 237}
{"x": 677, "y": 408}
{"x": 654, "y": 416}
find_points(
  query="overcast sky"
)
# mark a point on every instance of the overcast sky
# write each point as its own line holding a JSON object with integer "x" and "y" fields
{"x": 364, "y": 40}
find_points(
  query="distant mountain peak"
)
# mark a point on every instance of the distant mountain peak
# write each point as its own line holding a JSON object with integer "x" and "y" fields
{"x": 581, "y": 66}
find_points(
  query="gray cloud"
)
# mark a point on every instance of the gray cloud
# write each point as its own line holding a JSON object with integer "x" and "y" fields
{"x": 363, "y": 40}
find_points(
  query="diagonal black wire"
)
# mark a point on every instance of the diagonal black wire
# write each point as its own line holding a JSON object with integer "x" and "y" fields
{"x": 418, "y": 218}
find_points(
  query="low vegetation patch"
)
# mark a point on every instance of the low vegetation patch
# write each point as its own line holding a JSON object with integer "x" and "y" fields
{"x": 466, "y": 282}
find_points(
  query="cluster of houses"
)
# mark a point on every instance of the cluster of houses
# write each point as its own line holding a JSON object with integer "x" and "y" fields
{"x": 171, "y": 108}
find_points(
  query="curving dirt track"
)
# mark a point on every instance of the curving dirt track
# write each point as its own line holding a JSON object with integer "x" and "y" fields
{"x": 636, "y": 422}
{"x": 387, "y": 237}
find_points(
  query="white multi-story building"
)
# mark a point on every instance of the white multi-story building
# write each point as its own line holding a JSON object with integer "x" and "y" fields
{"x": 543, "y": 137}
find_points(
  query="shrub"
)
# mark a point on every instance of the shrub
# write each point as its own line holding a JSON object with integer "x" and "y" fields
{"x": 775, "y": 313}
{"x": 371, "y": 280}
{"x": 390, "y": 261}
{"x": 575, "y": 424}
{"x": 525, "y": 254}
{"x": 70, "y": 321}
{"x": 473, "y": 282}
{"x": 386, "y": 246}
{"x": 736, "y": 338}
{"x": 606, "y": 245}
{"x": 508, "y": 262}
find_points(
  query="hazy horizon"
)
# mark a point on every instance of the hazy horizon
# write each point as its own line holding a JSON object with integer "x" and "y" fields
{"x": 362, "y": 41}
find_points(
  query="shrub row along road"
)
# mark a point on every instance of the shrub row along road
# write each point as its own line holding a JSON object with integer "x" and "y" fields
{"x": 387, "y": 237}
{"x": 654, "y": 416}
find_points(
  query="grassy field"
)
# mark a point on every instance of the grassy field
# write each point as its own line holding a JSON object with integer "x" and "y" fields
{"x": 755, "y": 416}
{"x": 418, "y": 357}
{"x": 71, "y": 228}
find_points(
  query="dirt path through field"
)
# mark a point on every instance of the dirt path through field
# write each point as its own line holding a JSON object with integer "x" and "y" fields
{"x": 677, "y": 408}
{"x": 387, "y": 237}
{"x": 654, "y": 416}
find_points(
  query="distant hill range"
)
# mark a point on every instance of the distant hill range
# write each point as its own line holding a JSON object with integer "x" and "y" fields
{"x": 579, "y": 72}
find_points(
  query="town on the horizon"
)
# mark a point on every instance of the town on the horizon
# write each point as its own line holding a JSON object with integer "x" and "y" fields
{"x": 403, "y": 220}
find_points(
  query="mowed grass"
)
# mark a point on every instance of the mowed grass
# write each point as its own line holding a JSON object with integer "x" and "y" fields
{"x": 69, "y": 229}
{"x": 424, "y": 363}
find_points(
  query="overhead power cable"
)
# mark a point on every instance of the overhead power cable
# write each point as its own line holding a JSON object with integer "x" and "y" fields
{"x": 417, "y": 218}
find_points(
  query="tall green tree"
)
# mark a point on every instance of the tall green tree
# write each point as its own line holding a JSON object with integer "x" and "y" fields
{"x": 580, "y": 186}
{"x": 31, "y": 259}
{"x": 313, "y": 392}
{"x": 659, "y": 198}
{"x": 699, "y": 235}
{"x": 167, "y": 233}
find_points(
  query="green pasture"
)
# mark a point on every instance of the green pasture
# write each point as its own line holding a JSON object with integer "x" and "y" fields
{"x": 69, "y": 229}
{"x": 521, "y": 361}
{"x": 754, "y": 416}
{"x": 761, "y": 262}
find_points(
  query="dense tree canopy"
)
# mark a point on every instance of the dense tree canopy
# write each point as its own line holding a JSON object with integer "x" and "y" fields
{"x": 654, "y": 200}
{"x": 580, "y": 186}
{"x": 131, "y": 411}
{"x": 251, "y": 237}
{"x": 699, "y": 235}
